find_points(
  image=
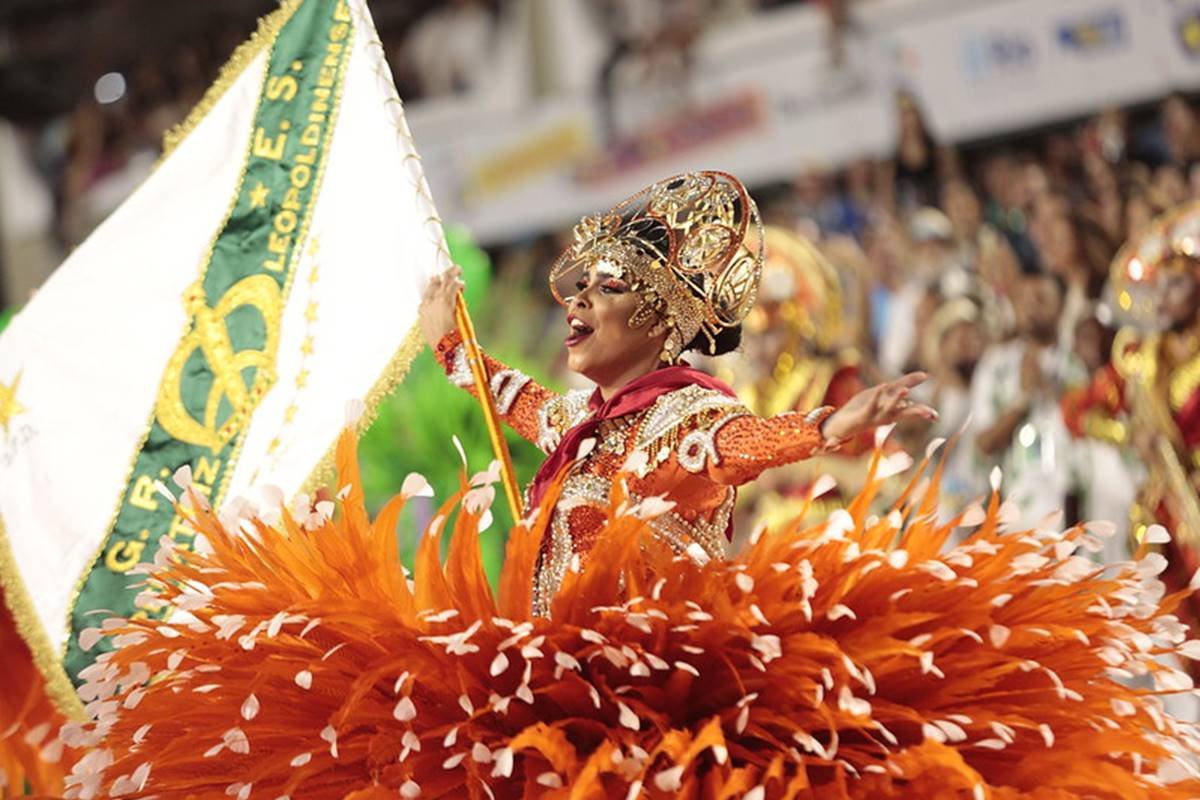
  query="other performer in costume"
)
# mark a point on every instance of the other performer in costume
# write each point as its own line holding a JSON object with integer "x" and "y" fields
{"x": 672, "y": 269}
{"x": 1150, "y": 395}
{"x": 856, "y": 659}
{"x": 797, "y": 357}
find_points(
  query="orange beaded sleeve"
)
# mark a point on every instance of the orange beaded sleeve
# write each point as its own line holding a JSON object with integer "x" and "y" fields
{"x": 520, "y": 401}
{"x": 716, "y": 436}
{"x": 748, "y": 445}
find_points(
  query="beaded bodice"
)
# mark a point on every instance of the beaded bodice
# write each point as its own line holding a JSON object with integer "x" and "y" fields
{"x": 693, "y": 446}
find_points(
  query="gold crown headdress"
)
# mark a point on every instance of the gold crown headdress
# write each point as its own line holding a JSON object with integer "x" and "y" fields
{"x": 682, "y": 244}
{"x": 1170, "y": 243}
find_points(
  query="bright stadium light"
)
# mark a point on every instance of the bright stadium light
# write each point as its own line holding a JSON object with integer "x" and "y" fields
{"x": 110, "y": 87}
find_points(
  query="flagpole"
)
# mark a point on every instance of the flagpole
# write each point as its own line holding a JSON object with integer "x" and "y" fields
{"x": 508, "y": 477}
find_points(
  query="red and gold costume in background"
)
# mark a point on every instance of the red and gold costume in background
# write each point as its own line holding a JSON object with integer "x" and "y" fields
{"x": 798, "y": 358}
{"x": 1150, "y": 394}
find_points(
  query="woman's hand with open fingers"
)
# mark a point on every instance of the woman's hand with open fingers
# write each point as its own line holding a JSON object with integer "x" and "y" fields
{"x": 437, "y": 305}
{"x": 880, "y": 405}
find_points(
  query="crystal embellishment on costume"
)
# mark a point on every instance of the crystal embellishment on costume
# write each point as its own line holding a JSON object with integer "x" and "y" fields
{"x": 459, "y": 371}
{"x": 559, "y": 415}
{"x": 673, "y": 410}
{"x": 578, "y": 490}
{"x": 505, "y": 384}
{"x": 699, "y": 448}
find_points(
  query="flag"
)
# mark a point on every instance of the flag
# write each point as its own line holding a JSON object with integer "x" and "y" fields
{"x": 268, "y": 271}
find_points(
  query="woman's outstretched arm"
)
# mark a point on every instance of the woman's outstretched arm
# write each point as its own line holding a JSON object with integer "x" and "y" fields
{"x": 733, "y": 446}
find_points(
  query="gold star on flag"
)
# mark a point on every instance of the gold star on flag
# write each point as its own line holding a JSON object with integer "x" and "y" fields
{"x": 290, "y": 413}
{"x": 258, "y": 195}
{"x": 312, "y": 276}
{"x": 9, "y": 407}
{"x": 310, "y": 313}
{"x": 302, "y": 379}
{"x": 306, "y": 346}
{"x": 274, "y": 445}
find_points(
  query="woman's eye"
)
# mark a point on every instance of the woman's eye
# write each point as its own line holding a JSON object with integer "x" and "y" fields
{"x": 580, "y": 285}
{"x": 614, "y": 288}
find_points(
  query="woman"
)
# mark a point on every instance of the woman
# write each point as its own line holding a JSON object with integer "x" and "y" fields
{"x": 672, "y": 269}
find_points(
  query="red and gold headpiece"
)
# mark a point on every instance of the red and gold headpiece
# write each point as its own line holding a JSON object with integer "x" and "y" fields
{"x": 800, "y": 289}
{"x": 690, "y": 245}
{"x": 1170, "y": 244}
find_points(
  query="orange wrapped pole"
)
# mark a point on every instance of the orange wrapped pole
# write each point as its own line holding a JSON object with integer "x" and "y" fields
{"x": 508, "y": 476}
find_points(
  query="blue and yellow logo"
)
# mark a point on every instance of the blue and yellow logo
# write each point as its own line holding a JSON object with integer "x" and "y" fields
{"x": 1187, "y": 25}
{"x": 1101, "y": 31}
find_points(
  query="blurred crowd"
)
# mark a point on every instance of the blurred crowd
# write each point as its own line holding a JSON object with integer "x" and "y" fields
{"x": 989, "y": 269}
{"x": 88, "y": 155}
{"x": 450, "y": 47}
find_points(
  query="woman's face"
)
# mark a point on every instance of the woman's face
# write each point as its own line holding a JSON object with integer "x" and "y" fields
{"x": 962, "y": 206}
{"x": 1138, "y": 215}
{"x": 601, "y": 345}
{"x": 911, "y": 125}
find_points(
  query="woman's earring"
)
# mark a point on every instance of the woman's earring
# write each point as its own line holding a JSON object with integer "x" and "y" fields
{"x": 672, "y": 347}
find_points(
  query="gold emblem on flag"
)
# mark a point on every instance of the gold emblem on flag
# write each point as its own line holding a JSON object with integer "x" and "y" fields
{"x": 241, "y": 377}
{"x": 9, "y": 407}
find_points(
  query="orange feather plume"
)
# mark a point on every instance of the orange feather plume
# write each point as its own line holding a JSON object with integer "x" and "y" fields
{"x": 31, "y": 754}
{"x": 857, "y": 659}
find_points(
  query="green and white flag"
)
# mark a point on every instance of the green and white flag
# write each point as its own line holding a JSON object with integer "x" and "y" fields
{"x": 267, "y": 273}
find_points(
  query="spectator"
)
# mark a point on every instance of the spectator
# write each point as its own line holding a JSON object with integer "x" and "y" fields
{"x": 1006, "y": 203}
{"x": 931, "y": 261}
{"x": 451, "y": 47}
{"x": 1077, "y": 250}
{"x": 1108, "y": 475}
{"x": 951, "y": 348}
{"x": 911, "y": 178}
{"x": 1180, "y": 131}
{"x": 984, "y": 253}
{"x": 1014, "y": 403}
{"x": 816, "y": 198}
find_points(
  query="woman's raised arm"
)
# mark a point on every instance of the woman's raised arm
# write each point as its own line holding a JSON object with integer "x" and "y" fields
{"x": 521, "y": 402}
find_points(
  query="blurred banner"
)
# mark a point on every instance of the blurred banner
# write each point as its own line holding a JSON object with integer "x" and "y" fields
{"x": 994, "y": 68}
{"x": 764, "y": 100}
{"x": 219, "y": 321}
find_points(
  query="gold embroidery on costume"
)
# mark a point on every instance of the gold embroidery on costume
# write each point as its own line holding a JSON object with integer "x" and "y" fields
{"x": 676, "y": 408}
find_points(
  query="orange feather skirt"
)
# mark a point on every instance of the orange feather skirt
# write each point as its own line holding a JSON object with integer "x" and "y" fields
{"x": 861, "y": 658}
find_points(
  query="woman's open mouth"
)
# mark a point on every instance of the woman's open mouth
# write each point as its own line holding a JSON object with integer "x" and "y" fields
{"x": 579, "y": 331}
